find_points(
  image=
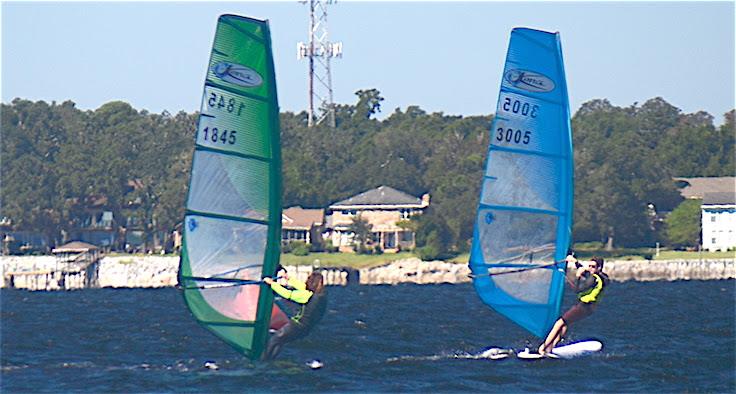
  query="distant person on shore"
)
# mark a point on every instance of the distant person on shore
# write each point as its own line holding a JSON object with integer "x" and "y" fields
{"x": 312, "y": 297}
{"x": 590, "y": 280}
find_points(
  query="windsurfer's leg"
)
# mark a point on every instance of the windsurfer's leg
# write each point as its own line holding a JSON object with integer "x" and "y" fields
{"x": 285, "y": 334}
{"x": 554, "y": 333}
{"x": 577, "y": 312}
{"x": 560, "y": 334}
{"x": 275, "y": 342}
{"x": 563, "y": 333}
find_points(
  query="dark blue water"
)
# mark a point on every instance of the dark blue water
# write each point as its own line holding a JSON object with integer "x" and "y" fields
{"x": 660, "y": 336}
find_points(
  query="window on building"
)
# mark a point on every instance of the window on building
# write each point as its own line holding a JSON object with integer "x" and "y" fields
{"x": 713, "y": 218}
{"x": 390, "y": 240}
{"x": 293, "y": 235}
{"x": 713, "y": 240}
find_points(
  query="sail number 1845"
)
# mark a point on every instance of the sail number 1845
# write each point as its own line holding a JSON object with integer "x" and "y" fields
{"x": 511, "y": 135}
{"x": 220, "y": 102}
{"x": 221, "y": 136}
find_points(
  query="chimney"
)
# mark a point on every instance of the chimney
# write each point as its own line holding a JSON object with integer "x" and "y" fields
{"x": 425, "y": 200}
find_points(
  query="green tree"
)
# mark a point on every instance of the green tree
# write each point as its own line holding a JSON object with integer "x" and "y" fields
{"x": 683, "y": 224}
{"x": 57, "y": 161}
{"x": 369, "y": 103}
{"x": 361, "y": 230}
{"x": 433, "y": 237}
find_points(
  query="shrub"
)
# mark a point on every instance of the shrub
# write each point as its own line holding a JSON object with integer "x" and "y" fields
{"x": 298, "y": 248}
{"x": 301, "y": 250}
{"x": 428, "y": 253}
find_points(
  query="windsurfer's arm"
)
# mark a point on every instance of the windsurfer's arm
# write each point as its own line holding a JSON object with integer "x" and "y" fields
{"x": 297, "y": 295}
{"x": 570, "y": 259}
{"x": 297, "y": 284}
{"x": 584, "y": 282}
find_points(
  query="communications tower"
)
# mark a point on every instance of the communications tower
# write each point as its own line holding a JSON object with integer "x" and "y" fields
{"x": 319, "y": 50}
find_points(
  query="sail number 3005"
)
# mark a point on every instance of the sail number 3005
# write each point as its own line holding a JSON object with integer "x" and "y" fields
{"x": 511, "y": 135}
{"x": 221, "y": 136}
{"x": 519, "y": 107}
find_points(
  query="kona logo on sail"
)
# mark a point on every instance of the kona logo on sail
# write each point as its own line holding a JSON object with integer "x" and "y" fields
{"x": 193, "y": 224}
{"x": 529, "y": 81}
{"x": 237, "y": 74}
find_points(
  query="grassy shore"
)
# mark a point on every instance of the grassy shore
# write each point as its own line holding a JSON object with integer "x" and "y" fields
{"x": 313, "y": 259}
{"x": 344, "y": 259}
{"x": 358, "y": 261}
{"x": 634, "y": 254}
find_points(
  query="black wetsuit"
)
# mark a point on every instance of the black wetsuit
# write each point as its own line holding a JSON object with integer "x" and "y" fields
{"x": 298, "y": 326}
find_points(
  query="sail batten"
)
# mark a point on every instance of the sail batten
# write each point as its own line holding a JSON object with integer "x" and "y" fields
{"x": 524, "y": 216}
{"x": 232, "y": 220}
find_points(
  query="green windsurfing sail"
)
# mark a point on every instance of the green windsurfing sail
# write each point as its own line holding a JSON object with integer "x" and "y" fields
{"x": 232, "y": 223}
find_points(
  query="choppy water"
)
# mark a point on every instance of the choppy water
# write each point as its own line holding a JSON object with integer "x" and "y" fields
{"x": 659, "y": 336}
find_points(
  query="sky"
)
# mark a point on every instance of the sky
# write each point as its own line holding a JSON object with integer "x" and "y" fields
{"x": 442, "y": 56}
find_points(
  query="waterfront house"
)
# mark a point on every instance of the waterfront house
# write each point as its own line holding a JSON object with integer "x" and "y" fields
{"x": 14, "y": 241}
{"x": 301, "y": 224}
{"x": 385, "y": 209}
{"x": 718, "y": 209}
{"x": 96, "y": 225}
{"x": 24, "y": 242}
{"x": 718, "y": 216}
{"x": 133, "y": 226}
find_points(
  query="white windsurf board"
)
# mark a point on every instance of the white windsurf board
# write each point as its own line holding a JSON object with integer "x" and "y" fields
{"x": 572, "y": 350}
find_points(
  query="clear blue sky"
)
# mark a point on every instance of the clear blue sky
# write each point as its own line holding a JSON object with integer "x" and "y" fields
{"x": 442, "y": 56}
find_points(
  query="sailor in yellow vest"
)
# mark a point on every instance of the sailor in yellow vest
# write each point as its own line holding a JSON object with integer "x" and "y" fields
{"x": 589, "y": 284}
{"x": 311, "y": 296}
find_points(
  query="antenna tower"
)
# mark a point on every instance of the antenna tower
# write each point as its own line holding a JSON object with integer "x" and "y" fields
{"x": 319, "y": 50}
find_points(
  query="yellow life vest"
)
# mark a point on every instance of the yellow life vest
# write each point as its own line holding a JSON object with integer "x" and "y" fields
{"x": 593, "y": 294}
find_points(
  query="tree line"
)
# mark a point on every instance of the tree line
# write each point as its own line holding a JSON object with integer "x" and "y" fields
{"x": 59, "y": 161}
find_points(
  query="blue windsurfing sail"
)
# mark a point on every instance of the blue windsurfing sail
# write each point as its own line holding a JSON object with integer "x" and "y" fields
{"x": 524, "y": 217}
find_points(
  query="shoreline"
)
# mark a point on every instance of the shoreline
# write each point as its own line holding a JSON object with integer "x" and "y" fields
{"x": 42, "y": 272}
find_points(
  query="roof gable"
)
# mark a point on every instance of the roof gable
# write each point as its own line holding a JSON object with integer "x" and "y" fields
{"x": 382, "y": 195}
{"x": 697, "y": 187}
{"x": 74, "y": 247}
{"x": 301, "y": 218}
{"x": 720, "y": 198}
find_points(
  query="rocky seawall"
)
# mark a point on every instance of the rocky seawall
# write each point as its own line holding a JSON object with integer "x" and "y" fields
{"x": 157, "y": 271}
{"x": 44, "y": 272}
{"x": 417, "y": 271}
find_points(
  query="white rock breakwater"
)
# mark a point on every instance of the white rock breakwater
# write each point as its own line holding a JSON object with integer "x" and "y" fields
{"x": 40, "y": 272}
{"x": 162, "y": 271}
{"x": 44, "y": 273}
{"x": 416, "y": 271}
{"x": 138, "y": 271}
{"x": 671, "y": 270}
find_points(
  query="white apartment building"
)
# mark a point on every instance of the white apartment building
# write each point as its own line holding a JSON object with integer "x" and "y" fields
{"x": 718, "y": 218}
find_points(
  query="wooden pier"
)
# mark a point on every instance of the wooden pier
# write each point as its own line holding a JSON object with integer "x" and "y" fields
{"x": 77, "y": 267}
